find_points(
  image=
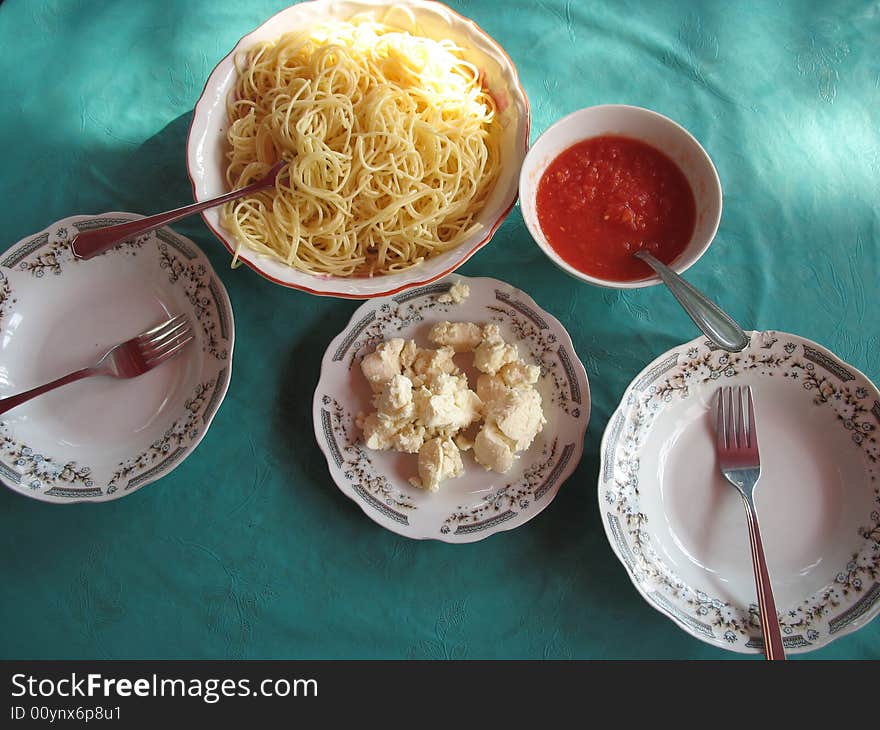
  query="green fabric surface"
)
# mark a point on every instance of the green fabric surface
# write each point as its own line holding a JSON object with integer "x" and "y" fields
{"x": 248, "y": 550}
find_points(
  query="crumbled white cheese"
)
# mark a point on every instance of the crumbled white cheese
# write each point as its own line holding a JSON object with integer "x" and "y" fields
{"x": 493, "y": 353}
{"x": 492, "y": 449}
{"x": 490, "y": 388}
{"x": 457, "y": 293}
{"x": 378, "y": 432}
{"x": 424, "y": 403}
{"x": 460, "y": 336}
{"x": 439, "y": 459}
{"x": 518, "y": 373}
{"x": 428, "y": 364}
{"x": 408, "y": 355}
{"x": 447, "y": 403}
{"x": 396, "y": 397}
{"x": 409, "y": 439}
{"x": 380, "y": 366}
{"x": 512, "y": 418}
{"x": 519, "y": 416}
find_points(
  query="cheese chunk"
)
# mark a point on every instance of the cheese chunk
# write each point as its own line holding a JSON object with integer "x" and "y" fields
{"x": 493, "y": 353}
{"x": 439, "y": 459}
{"x": 490, "y": 388}
{"x": 424, "y": 404}
{"x": 428, "y": 364}
{"x": 378, "y": 432}
{"x": 380, "y": 366}
{"x": 457, "y": 293}
{"x": 408, "y": 355}
{"x": 519, "y": 417}
{"x": 409, "y": 439}
{"x": 396, "y": 397}
{"x": 447, "y": 403}
{"x": 460, "y": 336}
{"x": 493, "y": 450}
{"x": 518, "y": 373}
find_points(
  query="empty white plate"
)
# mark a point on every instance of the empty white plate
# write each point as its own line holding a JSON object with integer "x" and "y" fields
{"x": 680, "y": 528}
{"x": 100, "y": 438}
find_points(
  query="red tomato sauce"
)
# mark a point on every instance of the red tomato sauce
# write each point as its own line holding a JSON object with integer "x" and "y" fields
{"x": 604, "y": 198}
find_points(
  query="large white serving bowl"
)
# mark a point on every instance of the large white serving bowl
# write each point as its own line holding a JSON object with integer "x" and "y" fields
{"x": 646, "y": 126}
{"x": 207, "y": 145}
{"x": 680, "y": 529}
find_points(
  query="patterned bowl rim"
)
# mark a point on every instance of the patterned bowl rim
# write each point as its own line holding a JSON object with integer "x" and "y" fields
{"x": 253, "y": 261}
{"x": 217, "y": 399}
{"x": 566, "y": 472}
{"x": 620, "y": 410}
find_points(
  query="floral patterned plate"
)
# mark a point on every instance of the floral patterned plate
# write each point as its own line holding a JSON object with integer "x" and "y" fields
{"x": 101, "y": 438}
{"x": 478, "y": 503}
{"x": 680, "y": 529}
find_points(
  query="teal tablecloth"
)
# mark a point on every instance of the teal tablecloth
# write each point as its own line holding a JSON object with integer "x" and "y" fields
{"x": 248, "y": 550}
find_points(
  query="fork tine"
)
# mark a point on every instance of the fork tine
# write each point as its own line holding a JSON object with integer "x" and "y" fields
{"x": 158, "y": 358}
{"x": 157, "y": 348}
{"x": 166, "y": 334}
{"x": 741, "y": 433}
{"x": 160, "y": 327}
{"x": 730, "y": 425}
{"x": 753, "y": 432}
{"x": 166, "y": 341}
{"x": 720, "y": 435}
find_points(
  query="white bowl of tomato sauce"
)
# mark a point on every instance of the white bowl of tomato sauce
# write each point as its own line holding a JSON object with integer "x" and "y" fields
{"x": 606, "y": 181}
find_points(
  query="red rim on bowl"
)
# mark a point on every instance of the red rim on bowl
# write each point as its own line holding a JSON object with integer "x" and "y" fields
{"x": 253, "y": 263}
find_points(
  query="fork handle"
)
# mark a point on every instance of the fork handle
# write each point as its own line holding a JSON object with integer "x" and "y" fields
{"x": 773, "y": 648}
{"x": 16, "y": 400}
{"x": 87, "y": 244}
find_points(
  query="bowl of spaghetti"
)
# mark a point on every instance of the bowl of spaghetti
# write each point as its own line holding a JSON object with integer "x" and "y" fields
{"x": 402, "y": 126}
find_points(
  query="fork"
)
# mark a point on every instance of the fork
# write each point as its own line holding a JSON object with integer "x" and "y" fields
{"x": 737, "y": 449}
{"x": 87, "y": 244}
{"x": 127, "y": 360}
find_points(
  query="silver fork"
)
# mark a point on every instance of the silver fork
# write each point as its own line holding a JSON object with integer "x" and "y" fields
{"x": 127, "y": 360}
{"x": 737, "y": 449}
{"x": 87, "y": 244}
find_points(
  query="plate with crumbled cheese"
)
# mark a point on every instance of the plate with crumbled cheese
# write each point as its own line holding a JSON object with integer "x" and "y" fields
{"x": 452, "y": 411}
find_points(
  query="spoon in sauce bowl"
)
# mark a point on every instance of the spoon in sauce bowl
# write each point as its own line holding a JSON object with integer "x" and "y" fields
{"x": 713, "y": 322}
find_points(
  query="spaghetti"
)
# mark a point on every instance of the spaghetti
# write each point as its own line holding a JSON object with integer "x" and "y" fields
{"x": 391, "y": 143}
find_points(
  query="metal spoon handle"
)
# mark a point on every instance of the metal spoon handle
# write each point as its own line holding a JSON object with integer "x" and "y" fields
{"x": 713, "y": 322}
{"x": 87, "y": 244}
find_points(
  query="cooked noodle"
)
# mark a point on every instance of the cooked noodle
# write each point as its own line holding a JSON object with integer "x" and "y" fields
{"x": 391, "y": 141}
